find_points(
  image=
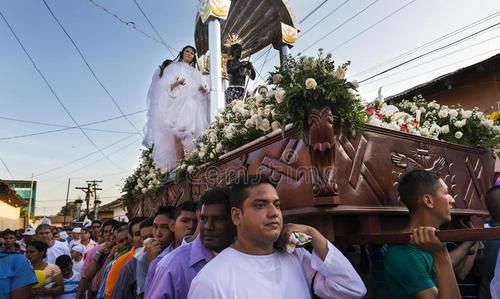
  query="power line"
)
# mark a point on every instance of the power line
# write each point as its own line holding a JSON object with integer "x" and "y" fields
{"x": 439, "y": 68}
{"x": 434, "y": 59}
{"x": 64, "y": 128}
{"x": 342, "y": 24}
{"x": 303, "y": 19}
{"x": 430, "y": 52}
{"x": 6, "y": 168}
{"x": 81, "y": 158}
{"x": 154, "y": 29}
{"x": 430, "y": 43}
{"x": 313, "y": 11}
{"x": 52, "y": 90}
{"x": 373, "y": 25}
{"x": 334, "y": 29}
{"x": 324, "y": 18}
{"x": 129, "y": 24}
{"x": 92, "y": 163}
{"x": 90, "y": 68}
{"x": 60, "y": 130}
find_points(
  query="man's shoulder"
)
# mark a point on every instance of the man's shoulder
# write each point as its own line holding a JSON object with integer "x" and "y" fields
{"x": 59, "y": 244}
{"x": 177, "y": 257}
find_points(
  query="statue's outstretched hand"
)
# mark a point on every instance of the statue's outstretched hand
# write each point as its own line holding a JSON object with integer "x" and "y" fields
{"x": 203, "y": 89}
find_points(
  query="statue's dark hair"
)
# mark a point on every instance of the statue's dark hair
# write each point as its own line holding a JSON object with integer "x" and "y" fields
{"x": 416, "y": 184}
{"x": 193, "y": 63}
{"x": 164, "y": 64}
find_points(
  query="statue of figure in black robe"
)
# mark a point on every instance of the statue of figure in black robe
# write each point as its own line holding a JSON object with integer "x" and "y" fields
{"x": 238, "y": 72}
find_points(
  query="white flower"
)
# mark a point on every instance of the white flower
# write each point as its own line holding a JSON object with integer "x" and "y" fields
{"x": 219, "y": 147}
{"x": 479, "y": 114}
{"x": 375, "y": 121}
{"x": 144, "y": 190}
{"x": 422, "y": 109}
{"x": 339, "y": 73}
{"x": 424, "y": 132}
{"x": 487, "y": 123}
{"x": 466, "y": 114}
{"x": 201, "y": 154}
{"x": 212, "y": 155}
{"x": 453, "y": 113}
{"x": 277, "y": 78}
{"x": 264, "y": 126}
{"x": 434, "y": 128}
{"x": 213, "y": 137}
{"x": 249, "y": 123}
{"x": 460, "y": 123}
{"x": 190, "y": 168}
{"x": 275, "y": 125}
{"x": 398, "y": 115}
{"x": 443, "y": 113}
{"x": 267, "y": 110}
{"x": 388, "y": 110}
{"x": 355, "y": 84}
{"x": 445, "y": 129}
{"x": 258, "y": 97}
{"x": 458, "y": 134}
{"x": 279, "y": 95}
{"x": 311, "y": 83}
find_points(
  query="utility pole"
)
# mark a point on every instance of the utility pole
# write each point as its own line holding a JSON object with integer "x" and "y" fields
{"x": 96, "y": 201}
{"x": 66, "y": 207}
{"x": 91, "y": 189}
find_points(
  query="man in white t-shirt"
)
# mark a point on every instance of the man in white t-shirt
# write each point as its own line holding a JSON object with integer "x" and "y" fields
{"x": 252, "y": 268}
{"x": 56, "y": 248}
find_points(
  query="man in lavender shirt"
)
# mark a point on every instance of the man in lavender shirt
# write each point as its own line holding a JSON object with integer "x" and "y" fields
{"x": 183, "y": 224}
{"x": 176, "y": 271}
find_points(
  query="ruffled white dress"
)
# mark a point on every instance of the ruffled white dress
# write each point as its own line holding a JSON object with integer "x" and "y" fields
{"x": 182, "y": 112}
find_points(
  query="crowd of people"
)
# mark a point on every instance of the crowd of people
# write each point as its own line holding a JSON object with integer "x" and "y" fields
{"x": 233, "y": 244}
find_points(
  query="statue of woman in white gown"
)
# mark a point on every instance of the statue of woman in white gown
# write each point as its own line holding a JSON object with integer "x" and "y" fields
{"x": 177, "y": 109}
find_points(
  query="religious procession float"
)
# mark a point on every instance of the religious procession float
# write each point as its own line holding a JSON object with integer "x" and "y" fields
{"x": 336, "y": 161}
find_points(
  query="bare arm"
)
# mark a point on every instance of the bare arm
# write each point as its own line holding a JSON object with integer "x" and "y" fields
{"x": 463, "y": 269}
{"x": 21, "y": 293}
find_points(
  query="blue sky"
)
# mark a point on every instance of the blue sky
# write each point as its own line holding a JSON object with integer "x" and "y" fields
{"x": 124, "y": 61}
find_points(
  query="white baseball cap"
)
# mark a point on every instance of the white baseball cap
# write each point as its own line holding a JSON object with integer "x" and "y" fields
{"x": 77, "y": 230}
{"x": 29, "y": 232}
{"x": 78, "y": 248}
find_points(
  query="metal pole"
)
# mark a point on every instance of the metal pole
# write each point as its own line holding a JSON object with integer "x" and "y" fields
{"x": 66, "y": 206}
{"x": 31, "y": 198}
{"x": 214, "y": 45}
{"x": 284, "y": 51}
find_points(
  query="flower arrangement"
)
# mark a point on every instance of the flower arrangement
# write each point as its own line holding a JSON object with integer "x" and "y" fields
{"x": 146, "y": 179}
{"x": 432, "y": 120}
{"x": 241, "y": 122}
{"x": 310, "y": 82}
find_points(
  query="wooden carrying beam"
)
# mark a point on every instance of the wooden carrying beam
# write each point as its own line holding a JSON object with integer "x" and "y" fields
{"x": 450, "y": 235}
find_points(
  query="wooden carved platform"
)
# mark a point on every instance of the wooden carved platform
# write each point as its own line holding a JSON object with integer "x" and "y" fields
{"x": 342, "y": 184}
